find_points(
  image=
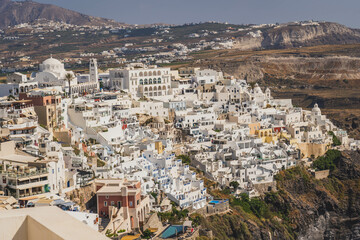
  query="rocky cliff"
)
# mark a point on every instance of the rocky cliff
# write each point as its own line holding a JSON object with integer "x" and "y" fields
{"x": 303, "y": 207}
{"x": 298, "y": 35}
{"x": 13, "y": 13}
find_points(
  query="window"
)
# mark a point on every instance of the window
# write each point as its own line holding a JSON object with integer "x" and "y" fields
{"x": 107, "y": 196}
{"x": 119, "y": 204}
{"x": 130, "y": 203}
{"x": 138, "y": 202}
{"x": 105, "y": 203}
{"x": 112, "y": 203}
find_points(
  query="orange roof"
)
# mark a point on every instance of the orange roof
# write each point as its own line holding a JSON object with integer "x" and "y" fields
{"x": 131, "y": 237}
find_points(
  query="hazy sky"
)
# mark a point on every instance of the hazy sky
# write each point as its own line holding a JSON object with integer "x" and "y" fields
{"x": 233, "y": 11}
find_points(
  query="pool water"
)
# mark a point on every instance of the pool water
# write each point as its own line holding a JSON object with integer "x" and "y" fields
{"x": 172, "y": 231}
{"x": 214, "y": 202}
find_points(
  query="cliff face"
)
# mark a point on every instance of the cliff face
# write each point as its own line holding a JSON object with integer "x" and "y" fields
{"x": 297, "y": 35}
{"x": 13, "y": 13}
{"x": 303, "y": 208}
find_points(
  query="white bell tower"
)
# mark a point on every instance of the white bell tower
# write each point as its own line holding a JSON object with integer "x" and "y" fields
{"x": 93, "y": 71}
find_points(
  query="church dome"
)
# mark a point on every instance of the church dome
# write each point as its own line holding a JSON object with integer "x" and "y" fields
{"x": 316, "y": 109}
{"x": 257, "y": 89}
{"x": 158, "y": 119}
{"x": 52, "y": 65}
{"x": 52, "y": 61}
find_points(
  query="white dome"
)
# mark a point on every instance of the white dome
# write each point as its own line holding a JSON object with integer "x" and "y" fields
{"x": 257, "y": 89}
{"x": 53, "y": 65}
{"x": 316, "y": 109}
{"x": 52, "y": 61}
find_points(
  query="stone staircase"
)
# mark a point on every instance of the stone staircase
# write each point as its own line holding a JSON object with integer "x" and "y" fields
{"x": 103, "y": 224}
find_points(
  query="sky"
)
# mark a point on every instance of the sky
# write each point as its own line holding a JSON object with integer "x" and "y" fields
{"x": 232, "y": 11}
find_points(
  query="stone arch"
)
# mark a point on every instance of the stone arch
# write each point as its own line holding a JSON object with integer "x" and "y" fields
{"x": 159, "y": 80}
{"x": 150, "y": 89}
{"x": 21, "y": 89}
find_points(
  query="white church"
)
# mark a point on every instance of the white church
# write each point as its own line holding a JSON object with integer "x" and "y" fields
{"x": 52, "y": 73}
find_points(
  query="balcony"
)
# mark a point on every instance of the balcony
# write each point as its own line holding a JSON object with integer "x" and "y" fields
{"x": 27, "y": 180}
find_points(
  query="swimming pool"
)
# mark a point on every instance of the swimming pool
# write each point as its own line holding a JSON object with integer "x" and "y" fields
{"x": 172, "y": 231}
{"x": 214, "y": 202}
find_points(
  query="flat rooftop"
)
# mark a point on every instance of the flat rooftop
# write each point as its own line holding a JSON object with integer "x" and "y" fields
{"x": 43, "y": 223}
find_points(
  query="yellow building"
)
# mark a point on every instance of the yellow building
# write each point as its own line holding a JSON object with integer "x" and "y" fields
{"x": 159, "y": 147}
{"x": 267, "y": 135}
{"x": 254, "y": 127}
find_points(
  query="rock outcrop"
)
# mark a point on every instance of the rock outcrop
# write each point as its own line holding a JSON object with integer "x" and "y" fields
{"x": 303, "y": 208}
{"x": 298, "y": 35}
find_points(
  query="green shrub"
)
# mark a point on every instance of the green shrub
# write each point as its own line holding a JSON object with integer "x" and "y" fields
{"x": 336, "y": 141}
{"x": 328, "y": 161}
{"x": 185, "y": 159}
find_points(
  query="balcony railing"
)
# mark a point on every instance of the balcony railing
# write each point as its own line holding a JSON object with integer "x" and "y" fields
{"x": 24, "y": 175}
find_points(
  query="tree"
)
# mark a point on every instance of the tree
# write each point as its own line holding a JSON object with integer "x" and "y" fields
{"x": 234, "y": 184}
{"x": 252, "y": 84}
{"x": 147, "y": 234}
{"x": 69, "y": 77}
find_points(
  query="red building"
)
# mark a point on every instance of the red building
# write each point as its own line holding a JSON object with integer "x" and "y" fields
{"x": 126, "y": 197}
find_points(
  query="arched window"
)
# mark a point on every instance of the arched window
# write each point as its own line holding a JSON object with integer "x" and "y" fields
{"x": 150, "y": 73}
{"x": 146, "y": 89}
{"x": 159, "y": 73}
{"x": 141, "y": 82}
{"x": 150, "y": 81}
{"x": 145, "y": 81}
{"x": 164, "y": 88}
{"x": 145, "y": 74}
{"x": 154, "y": 73}
{"x": 155, "y": 88}
{"x": 159, "y": 80}
{"x": 150, "y": 89}
{"x": 141, "y": 74}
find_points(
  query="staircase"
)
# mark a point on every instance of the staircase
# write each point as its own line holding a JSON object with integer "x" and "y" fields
{"x": 103, "y": 224}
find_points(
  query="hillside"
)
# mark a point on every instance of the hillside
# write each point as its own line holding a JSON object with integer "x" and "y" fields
{"x": 297, "y": 35}
{"x": 303, "y": 208}
{"x": 13, "y": 13}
